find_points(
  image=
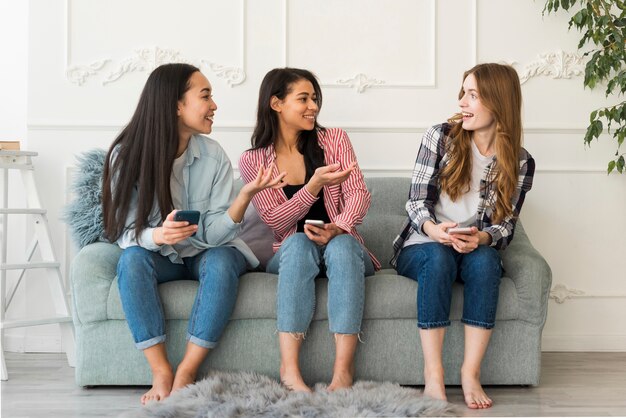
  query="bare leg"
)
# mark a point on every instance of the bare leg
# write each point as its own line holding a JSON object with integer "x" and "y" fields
{"x": 188, "y": 367}
{"x": 343, "y": 370}
{"x": 476, "y": 341}
{"x": 290, "y": 374}
{"x": 432, "y": 347}
{"x": 162, "y": 376}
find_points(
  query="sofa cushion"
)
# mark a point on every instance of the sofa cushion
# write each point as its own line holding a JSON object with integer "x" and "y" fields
{"x": 257, "y": 235}
{"x": 385, "y": 216}
{"x": 387, "y": 296}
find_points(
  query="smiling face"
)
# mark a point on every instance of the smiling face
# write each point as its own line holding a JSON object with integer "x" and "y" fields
{"x": 476, "y": 117}
{"x": 197, "y": 108}
{"x": 298, "y": 110}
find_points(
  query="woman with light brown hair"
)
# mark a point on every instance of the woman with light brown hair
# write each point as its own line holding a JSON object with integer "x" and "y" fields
{"x": 470, "y": 180}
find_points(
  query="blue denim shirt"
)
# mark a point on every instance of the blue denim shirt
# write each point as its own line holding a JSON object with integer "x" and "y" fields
{"x": 208, "y": 188}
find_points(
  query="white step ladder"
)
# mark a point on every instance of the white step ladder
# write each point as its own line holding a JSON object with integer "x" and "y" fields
{"x": 21, "y": 160}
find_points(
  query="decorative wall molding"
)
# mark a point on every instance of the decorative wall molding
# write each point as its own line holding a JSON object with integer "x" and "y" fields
{"x": 560, "y": 293}
{"x": 238, "y": 126}
{"x": 557, "y": 64}
{"x": 362, "y": 82}
{"x": 77, "y": 74}
{"x": 148, "y": 58}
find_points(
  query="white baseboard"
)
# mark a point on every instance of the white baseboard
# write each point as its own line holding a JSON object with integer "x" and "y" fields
{"x": 32, "y": 344}
{"x": 614, "y": 343}
{"x": 14, "y": 342}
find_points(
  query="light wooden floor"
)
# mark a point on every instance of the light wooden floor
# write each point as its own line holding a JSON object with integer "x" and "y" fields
{"x": 572, "y": 384}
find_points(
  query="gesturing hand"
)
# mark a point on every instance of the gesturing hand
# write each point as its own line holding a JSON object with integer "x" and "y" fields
{"x": 263, "y": 181}
{"x": 172, "y": 232}
{"x": 321, "y": 235}
{"x": 328, "y": 176}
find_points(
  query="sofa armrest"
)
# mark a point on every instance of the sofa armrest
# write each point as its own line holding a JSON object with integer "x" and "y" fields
{"x": 91, "y": 275}
{"x": 531, "y": 275}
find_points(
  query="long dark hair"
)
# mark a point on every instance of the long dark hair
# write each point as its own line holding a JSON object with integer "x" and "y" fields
{"x": 279, "y": 82}
{"x": 144, "y": 152}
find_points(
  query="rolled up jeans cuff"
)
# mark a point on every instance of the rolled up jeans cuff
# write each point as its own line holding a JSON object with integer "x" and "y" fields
{"x": 149, "y": 343}
{"x": 478, "y": 324}
{"x": 430, "y": 325}
{"x": 200, "y": 343}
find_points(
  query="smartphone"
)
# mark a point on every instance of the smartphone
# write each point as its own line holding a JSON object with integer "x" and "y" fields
{"x": 191, "y": 216}
{"x": 314, "y": 222}
{"x": 462, "y": 230}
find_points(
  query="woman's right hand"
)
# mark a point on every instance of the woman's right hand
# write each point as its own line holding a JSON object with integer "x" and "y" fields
{"x": 328, "y": 176}
{"x": 172, "y": 232}
{"x": 437, "y": 232}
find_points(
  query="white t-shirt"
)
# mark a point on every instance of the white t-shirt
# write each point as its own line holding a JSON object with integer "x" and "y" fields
{"x": 463, "y": 211}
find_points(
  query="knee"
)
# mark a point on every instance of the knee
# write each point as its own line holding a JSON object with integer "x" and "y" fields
{"x": 298, "y": 246}
{"x": 343, "y": 247}
{"x": 485, "y": 263}
{"x": 344, "y": 241}
{"x": 438, "y": 259}
{"x": 221, "y": 263}
{"x": 134, "y": 259}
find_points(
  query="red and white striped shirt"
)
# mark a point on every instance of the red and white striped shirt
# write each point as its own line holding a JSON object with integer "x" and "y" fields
{"x": 346, "y": 203}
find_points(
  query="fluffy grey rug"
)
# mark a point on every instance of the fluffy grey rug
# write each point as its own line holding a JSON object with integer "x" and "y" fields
{"x": 254, "y": 395}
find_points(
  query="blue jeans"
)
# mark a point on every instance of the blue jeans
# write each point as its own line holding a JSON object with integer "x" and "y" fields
{"x": 436, "y": 267}
{"x": 299, "y": 261}
{"x": 139, "y": 271}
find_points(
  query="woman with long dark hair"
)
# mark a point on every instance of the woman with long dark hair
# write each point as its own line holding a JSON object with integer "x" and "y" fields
{"x": 324, "y": 185}
{"x": 158, "y": 165}
{"x": 470, "y": 180}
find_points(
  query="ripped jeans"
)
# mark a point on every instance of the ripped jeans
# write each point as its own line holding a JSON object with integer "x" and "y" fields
{"x": 299, "y": 261}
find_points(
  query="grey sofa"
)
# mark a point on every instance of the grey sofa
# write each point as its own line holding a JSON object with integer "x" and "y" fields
{"x": 390, "y": 350}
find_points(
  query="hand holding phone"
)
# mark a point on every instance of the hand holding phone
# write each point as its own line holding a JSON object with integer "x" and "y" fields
{"x": 191, "y": 216}
{"x": 460, "y": 230}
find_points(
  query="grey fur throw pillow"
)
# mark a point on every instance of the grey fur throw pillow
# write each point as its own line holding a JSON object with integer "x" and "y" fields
{"x": 83, "y": 215}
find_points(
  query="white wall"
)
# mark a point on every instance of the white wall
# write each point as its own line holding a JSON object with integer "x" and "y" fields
{"x": 88, "y": 61}
{"x": 13, "y": 127}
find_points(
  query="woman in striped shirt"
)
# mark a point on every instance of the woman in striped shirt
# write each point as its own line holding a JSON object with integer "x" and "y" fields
{"x": 472, "y": 173}
{"x": 322, "y": 183}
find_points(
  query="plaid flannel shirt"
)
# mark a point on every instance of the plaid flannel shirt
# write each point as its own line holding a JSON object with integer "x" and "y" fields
{"x": 424, "y": 191}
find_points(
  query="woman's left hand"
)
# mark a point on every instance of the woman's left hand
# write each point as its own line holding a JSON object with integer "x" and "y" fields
{"x": 264, "y": 181}
{"x": 321, "y": 235}
{"x": 465, "y": 243}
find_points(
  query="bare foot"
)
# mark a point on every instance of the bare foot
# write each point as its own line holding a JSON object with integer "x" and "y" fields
{"x": 342, "y": 379}
{"x": 475, "y": 396}
{"x": 183, "y": 378}
{"x": 161, "y": 387}
{"x": 434, "y": 386}
{"x": 292, "y": 380}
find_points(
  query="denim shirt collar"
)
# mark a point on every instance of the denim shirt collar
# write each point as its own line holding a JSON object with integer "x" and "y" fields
{"x": 193, "y": 150}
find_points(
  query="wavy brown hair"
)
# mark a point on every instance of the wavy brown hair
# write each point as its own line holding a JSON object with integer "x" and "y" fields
{"x": 500, "y": 92}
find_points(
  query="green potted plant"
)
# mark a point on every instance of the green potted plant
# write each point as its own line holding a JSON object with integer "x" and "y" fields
{"x": 603, "y": 25}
